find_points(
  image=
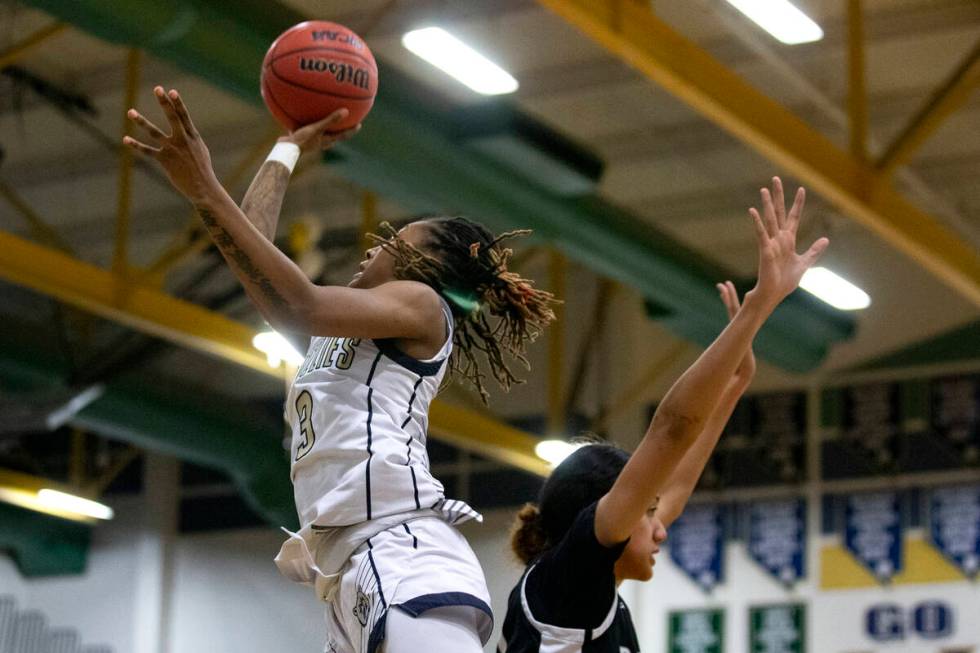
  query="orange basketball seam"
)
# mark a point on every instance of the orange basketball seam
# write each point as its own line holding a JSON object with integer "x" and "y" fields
{"x": 319, "y": 92}
{"x": 278, "y": 104}
{"x": 276, "y": 57}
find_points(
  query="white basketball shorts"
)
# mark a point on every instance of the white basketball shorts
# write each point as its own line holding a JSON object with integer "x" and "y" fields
{"x": 415, "y": 566}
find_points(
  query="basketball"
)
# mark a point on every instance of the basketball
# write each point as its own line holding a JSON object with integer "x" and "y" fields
{"x": 315, "y": 68}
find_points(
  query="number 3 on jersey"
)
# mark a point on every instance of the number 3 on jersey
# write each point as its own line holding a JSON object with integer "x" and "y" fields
{"x": 304, "y": 410}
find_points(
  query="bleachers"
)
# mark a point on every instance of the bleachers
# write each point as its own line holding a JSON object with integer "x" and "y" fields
{"x": 27, "y": 631}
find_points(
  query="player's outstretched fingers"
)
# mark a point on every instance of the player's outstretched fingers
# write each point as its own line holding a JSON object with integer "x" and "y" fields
{"x": 142, "y": 148}
{"x": 769, "y": 213}
{"x": 168, "y": 109}
{"x": 779, "y": 201}
{"x": 816, "y": 250}
{"x": 335, "y": 117}
{"x": 733, "y": 294}
{"x": 182, "y": 113}
{"x": 329, "y": 140}
{"x": 760, "y": 229}
{"x": 149, "y": 127}
{"x": 793, "y": 220}
{"x": 729, "y": 297}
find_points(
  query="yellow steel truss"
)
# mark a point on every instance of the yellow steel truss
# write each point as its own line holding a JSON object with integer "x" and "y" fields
{"x": 629, "y": 30}
{"x": 151, "y": 311}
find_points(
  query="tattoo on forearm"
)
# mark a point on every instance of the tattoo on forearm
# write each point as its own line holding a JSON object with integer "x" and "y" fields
{"x": 226, "y": 243}
{"x": 264, "y": 196}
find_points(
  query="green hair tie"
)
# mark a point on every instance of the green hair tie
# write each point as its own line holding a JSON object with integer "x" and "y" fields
{"x": 464, "y": 300}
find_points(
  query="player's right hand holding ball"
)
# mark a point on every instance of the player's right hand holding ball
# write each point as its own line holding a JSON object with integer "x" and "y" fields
{"x": 317, "y": 134}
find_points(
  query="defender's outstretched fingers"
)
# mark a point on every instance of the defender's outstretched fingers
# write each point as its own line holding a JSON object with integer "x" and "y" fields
{"x": 183, "y": 114}
{"x": 769, "y": 213}
{"x": 793, "y": 220}
{"x": 733, "y": 293}
{"x": 780, "y": 202}
{"x": 816, "y": 250}
{"x": 143, "y": 148}
{"x": 149, "y": 127}
{"x": 726, "y": 298}
{"x": 760, "y": 229}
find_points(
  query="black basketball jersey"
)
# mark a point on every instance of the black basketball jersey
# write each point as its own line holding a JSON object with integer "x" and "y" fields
{"x": 566, "y": 601}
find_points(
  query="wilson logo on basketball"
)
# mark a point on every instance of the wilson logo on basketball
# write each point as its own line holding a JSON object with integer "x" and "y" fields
{"x": 339, "y": 37}
{"x": 342, "y": 72}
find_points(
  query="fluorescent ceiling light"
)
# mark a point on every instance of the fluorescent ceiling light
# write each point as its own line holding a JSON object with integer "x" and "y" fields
{"x": 57, "y": 504}
{"x": 452, "y": 56}
{"x": 833, "y": 289}
{"x": 71, "y": 503}
{"x": 276, "y": 349}
{"x": 781, "y": 19}
{"x": 554, "y": 451}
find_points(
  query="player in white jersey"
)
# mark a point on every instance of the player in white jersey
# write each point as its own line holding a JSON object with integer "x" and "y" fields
{"x": 377, "y": 538}
{"x": 602, "y": 514}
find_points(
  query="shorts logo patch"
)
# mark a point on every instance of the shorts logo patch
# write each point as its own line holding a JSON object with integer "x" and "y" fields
{"x": 362, "y": 607}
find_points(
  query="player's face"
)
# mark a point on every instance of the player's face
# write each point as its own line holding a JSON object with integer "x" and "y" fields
{"x": 638, "y": 558}
{"x": 378, "y": 266}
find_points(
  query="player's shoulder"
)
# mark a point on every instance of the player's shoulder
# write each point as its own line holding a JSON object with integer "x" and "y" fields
{"x": 412, "y": 295}
{"x": 408, "y": 288}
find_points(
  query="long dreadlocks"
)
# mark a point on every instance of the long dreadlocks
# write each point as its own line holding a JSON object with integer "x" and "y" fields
{"x": 464, "y": 262}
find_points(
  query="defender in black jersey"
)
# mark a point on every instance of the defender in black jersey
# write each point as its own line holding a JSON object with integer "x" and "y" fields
{"x": 602, "y": 514}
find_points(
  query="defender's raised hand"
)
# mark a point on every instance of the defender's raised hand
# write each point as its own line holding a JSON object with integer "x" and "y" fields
{"x": 182, "y": 154}
{"x": 780, "y": 267}
{"x": 745, "y": 371}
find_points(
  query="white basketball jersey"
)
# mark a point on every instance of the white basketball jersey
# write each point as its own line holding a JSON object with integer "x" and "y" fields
{"x": 358, "y": 410}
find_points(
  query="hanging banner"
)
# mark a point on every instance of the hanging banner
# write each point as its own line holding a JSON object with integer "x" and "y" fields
{"x": 955, "y": 414}
{"x": 777, "y": 628}
{"x": 777, "y": 537}
{"x": 696, "y": 631}
{"x": 779, "y": 431}
{"x": 873, "y": 532}
{"x": 697, "y": 544}
{"x": 872, "y": 421}
{"x": 954, "y": 525}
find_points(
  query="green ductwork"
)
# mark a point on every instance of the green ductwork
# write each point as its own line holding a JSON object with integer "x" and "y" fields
{"x": 417, "y": 154}
{"x": 41, "y": 545}
{"x": 953, "y": 346}
{"x": 222, "y": 434}
{"x": 216, "y": 433}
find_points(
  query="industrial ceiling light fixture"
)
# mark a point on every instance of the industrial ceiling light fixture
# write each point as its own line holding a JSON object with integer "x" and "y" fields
{"x": 455, "y": 58}
{"x": 834, "y": 289}
{"x": 276, "y": 349}
{"x": 782, "y": 19}
{"x": 56, "y": 503}
{"x": 554, "y": 451}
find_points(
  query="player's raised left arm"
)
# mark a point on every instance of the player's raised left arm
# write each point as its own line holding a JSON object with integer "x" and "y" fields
{"x": 263, "y": 199}
{"x": 682, "y": 482}
{"x": 286, "y": 298}
{"x": 684, "y": 412}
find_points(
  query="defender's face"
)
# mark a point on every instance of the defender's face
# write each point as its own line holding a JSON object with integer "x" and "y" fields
{"x": 639, "y": 557}
{"x": 378, "y": 266}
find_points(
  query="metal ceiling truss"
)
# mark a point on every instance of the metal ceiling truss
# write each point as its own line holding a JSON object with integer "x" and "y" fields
{"x": 431, "y": 158}
{"x": 629, "y": 30}
{"x": 155, "y": 313}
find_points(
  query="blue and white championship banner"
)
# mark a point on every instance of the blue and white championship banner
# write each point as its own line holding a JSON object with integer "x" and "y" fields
{"x": 697, "y": 544}
{"x": 873, "y": 532}
{"x": 954, "y": 525}
{"x": 777, "y": 537}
